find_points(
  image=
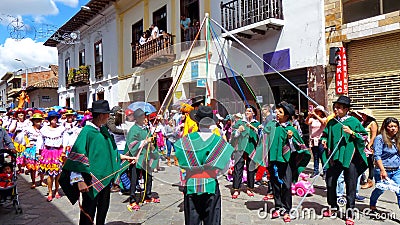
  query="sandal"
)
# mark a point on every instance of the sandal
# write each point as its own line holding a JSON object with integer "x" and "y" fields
{"x": 33, "y": 186}
{"x": 49, "y": 198}
{"x": 286, "y": 218}
{"x": 349, "y": 221}
{"x": 133, "y": 207}
{"x": 327, "y": 213}
{"x": 152, "y": 200}
{"x": 268, "y": 197}
{"x": 43, "y": 184}
{"x": 275, "y": 214}
{"x": 250, "y": 193}
{"x": 57, "y": 196}
{"x": 235, "y": 194}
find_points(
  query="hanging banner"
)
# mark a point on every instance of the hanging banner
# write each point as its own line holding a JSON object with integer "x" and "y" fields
{"x": 341, "y": 78}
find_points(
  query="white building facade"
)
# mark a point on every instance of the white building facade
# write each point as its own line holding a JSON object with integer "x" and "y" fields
{"x": 88, "y": 64}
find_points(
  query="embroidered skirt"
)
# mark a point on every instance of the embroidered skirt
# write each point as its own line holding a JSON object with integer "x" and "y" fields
{"x": 31, "y": 159}
{"x": 51, "y": 162}
{"x": 20, "y": 151}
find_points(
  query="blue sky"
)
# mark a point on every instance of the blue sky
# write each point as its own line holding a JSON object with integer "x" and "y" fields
{"x": 45, "y": 16}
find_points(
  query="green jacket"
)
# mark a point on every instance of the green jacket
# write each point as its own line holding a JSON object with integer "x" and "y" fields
{"x": 95, "y": 156}
{"x": 349, "y": 147}
{"x": 248, "y": 139}
{"x": 274, "y": 146}
{"x": 148, "y": 158}
{"x": 202, "y": 159}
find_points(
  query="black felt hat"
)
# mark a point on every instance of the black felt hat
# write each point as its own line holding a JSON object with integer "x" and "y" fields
{"x": 138, "y": 113}
{"x": 201, "y": 113}
{"x": 344, "y": 100}
{"x": 288, "y": 108}
{"x": 100, "y": 106}
{"x": 197, "y": 100}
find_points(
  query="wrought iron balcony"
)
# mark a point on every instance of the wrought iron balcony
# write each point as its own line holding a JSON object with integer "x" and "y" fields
{"x": 159, "y": 48}
{"x": 248, "y": 17}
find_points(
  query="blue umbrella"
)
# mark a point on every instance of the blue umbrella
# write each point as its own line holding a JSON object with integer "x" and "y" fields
{"x": 145, "y": 106}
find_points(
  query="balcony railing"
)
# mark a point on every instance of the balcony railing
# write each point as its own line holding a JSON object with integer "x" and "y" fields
{"x": 141, "y": 53}
{"x": 79, "y": 77}
{"x": 239, "y": 13}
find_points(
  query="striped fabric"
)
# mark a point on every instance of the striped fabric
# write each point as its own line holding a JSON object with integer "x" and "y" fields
{"x": 97, "y": 185}
{"x": 189, "y": 153}
{"x": 74, "y": 156}
{"x": 216, "y": 153}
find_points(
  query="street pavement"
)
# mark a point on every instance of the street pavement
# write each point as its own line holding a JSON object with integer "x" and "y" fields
{"x": 244, "y": 210}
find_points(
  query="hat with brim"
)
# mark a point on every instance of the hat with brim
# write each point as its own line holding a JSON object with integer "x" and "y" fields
{"x": 321, "y": 109}
{"x": 37, "y": 116}
{"x": 367, "y": 112}
{"x": 52, "y": 114}
{"x": 344, "y": 100}
{"x": 69, "y": 112}
{"x": 288, "y": 108}
{"x": 138, "y": 113}
{"x": 201, "y": 113}
{"x": 197, "y": 100}
{"x": 101, "y": 107}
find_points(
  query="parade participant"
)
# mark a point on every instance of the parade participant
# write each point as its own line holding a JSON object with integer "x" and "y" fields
{"x": 51, "y": 150}
{"x": 387, "y": 157}
{"x": 71, "y": 133}
{"x": 246, "y": 133}
{"x": 345, "y": 141}
{"x": 31, "y": 153}
{"x": 140, "y": 144}
{"x": 92, "y": 166}
{"x": 284, "y": 152}
{"x": 63, "y": 117}
{"x": 16, "y": 126}
{"x": 202, "y": 154}
{"x": 29, "y": 113}
{"x": 171, "y": 134}
{"x": 316, "y": 119}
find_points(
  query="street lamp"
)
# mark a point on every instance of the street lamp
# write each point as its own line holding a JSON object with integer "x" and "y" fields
{"x": 26, "y": 73}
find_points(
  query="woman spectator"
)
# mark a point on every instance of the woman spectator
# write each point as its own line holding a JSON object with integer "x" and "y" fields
{"x": 171, "y": 134}
{"x": 371, "y": 126}
{"x": 387, "y": 156}
{"x": 17, "y": 125}
{"x": 317, "y": 121}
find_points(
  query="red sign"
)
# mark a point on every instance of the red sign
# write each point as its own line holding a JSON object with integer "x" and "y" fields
{"x": 341, "y": 78}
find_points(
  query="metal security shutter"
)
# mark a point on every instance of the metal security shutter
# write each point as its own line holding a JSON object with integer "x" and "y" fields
{"x": 374, "y": 75}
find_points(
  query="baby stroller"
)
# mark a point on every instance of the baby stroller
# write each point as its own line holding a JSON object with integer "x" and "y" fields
{"x": 8, "y": 180}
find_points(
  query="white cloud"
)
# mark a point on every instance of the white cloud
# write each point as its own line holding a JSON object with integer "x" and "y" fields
{"x": 34, "y": 7}
{"x": 32, "y": 53}
{"x": 29, "y": 7}
{"x": 70, "y": 3}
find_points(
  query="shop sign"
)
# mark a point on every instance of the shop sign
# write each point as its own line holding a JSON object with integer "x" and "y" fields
{"x": 341, "y": 78}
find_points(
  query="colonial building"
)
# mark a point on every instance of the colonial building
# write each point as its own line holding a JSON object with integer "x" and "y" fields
{"x": 147, "y": 70}
{"x": 369, "y": 31}
{"x": 87, "y": 47}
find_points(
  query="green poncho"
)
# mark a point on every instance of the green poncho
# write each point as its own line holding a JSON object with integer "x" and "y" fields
{"x": 201, "y": 159}
{"x": 274, "y": 146}
{"x": 349, "y": 147}
{"x": 148, "y": 158}
{"x": 94, "y": 154}
{"x": 247, "y": 140}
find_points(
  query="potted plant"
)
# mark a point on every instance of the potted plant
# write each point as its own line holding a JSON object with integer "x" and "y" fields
{"x": 71, "y": 74}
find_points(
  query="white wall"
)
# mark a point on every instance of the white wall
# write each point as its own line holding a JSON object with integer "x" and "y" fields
{"x": 104, "y": 29}
{"x": 303, "y": 33}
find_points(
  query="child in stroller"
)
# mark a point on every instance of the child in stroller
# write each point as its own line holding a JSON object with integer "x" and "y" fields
{"x": 8, "y": 180}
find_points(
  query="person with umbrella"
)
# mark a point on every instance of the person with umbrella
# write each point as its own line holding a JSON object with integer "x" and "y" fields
{"x": 139, "y": 143}
{"x": 202, "y": 154}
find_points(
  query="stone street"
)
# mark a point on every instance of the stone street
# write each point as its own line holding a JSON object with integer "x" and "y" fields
{"x": 244, "y": 210}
